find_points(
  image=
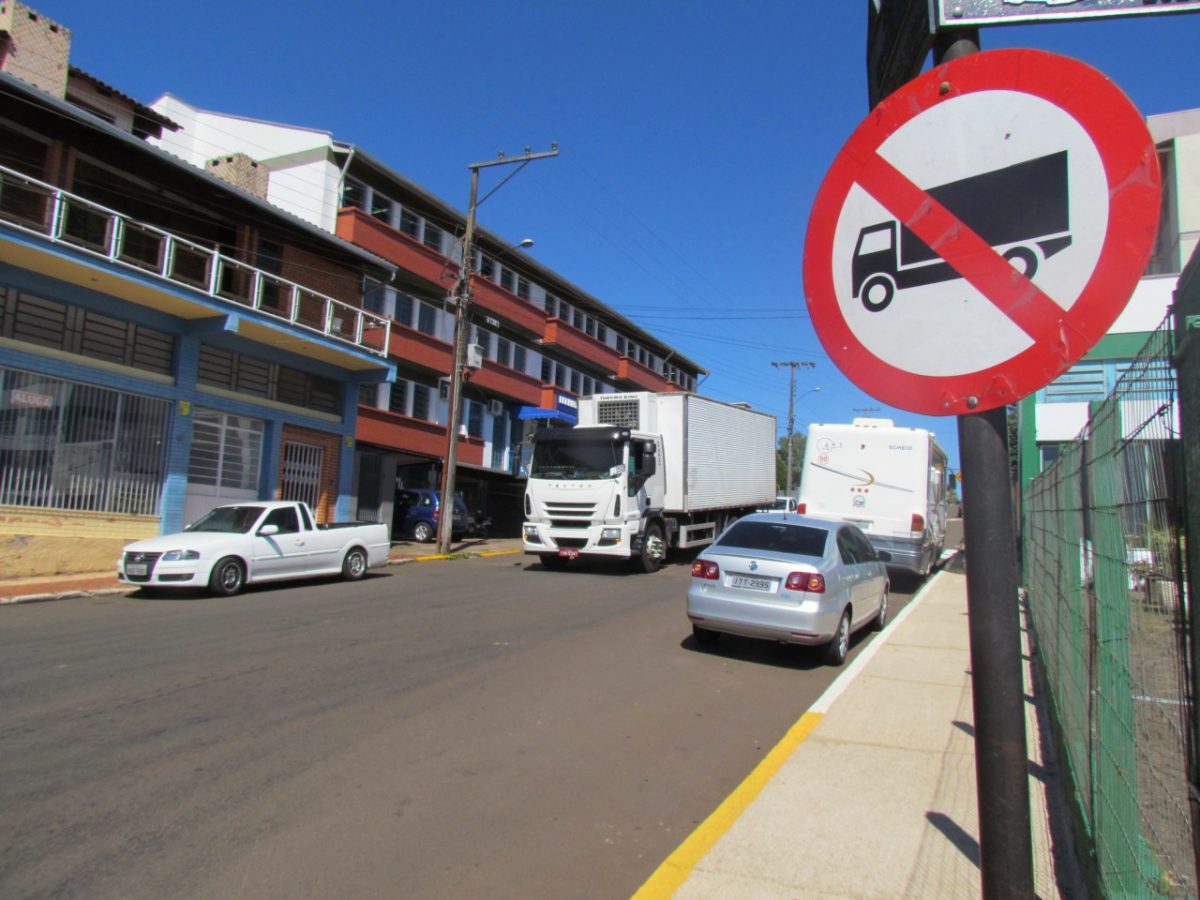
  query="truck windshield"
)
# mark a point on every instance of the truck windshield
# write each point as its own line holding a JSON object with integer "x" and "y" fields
{"x": 576, "y": 460}
{"x": 228, "y": 519}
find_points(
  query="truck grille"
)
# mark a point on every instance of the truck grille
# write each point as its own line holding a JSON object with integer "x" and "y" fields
{"x": 142, "y": 559}
{"x": 570, "y": 515}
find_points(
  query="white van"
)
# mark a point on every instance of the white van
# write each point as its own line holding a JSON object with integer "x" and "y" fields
{"x": 889, "y": 481}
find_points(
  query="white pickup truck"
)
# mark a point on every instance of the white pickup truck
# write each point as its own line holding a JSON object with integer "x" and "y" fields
{"x": 245, "y": 543}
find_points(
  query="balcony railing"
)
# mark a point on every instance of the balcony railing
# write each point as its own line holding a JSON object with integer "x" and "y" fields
{"x": 62, "y": 217}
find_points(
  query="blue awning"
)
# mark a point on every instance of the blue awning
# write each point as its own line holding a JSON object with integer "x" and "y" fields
{"x": 537, "y": 412}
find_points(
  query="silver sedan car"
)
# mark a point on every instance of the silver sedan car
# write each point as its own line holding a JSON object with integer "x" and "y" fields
{"x": 790, "y": 578}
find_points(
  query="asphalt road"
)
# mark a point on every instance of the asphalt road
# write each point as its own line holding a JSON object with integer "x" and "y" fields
{"x": 474, "y": 728}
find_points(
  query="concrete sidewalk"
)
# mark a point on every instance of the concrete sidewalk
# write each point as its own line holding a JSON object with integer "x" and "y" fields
{"x": 872, "y": 792}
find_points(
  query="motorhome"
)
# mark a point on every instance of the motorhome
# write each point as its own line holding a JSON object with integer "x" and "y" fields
{"x": 888, "y": 480}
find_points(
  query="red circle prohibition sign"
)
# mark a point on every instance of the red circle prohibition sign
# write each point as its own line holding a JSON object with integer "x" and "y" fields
{"x": 1057, "y": 334}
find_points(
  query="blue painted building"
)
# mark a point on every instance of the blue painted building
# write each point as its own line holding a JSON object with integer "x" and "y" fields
{"x": 168, "y": 339}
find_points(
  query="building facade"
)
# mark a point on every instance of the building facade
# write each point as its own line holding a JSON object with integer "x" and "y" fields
{"x": 537, "y": 342}
{"x": 168, "y": 340}
{"x": 1058, "y": 412}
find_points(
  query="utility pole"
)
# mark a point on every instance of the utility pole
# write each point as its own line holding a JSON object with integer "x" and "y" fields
{"x": 460, "y": 303}
{"x": 793, "y": 365}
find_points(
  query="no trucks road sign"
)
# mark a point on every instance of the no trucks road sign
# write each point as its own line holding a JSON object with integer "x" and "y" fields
{"x": 981, "y": 230}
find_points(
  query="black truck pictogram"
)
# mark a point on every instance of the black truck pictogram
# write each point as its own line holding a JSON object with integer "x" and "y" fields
{"x": 1022, "y": 207}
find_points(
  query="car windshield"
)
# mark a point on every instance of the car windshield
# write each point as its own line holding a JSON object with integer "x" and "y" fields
{"x": 228, "y": 519}
{"x": 776, "y": 537}
{"x": 575, "y": 461}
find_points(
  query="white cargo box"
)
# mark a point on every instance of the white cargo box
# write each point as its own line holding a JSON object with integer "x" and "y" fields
{"x": 715, "y": 455}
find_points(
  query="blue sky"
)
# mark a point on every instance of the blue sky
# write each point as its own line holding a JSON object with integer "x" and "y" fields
{"x": 693, "y": 136}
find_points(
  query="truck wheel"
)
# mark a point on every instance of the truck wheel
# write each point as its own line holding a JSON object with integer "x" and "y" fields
{"x": 551, "y": 561}
{"x": 422, "y": 532}
{"x": 877, "y": 293}
{"x": 354, "y": 566}
{"x": 654, "y": 550}
{"x": 1029, "y": 260}
{"x": 228, "y": 577}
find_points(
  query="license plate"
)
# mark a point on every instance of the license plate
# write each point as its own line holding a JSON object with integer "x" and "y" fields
{"x": 135, "y": 569}
{"x": 569, "y": 553}
{"x": 753, "y": 584}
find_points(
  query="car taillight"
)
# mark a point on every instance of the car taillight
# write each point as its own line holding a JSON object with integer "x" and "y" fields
{"x": 707, "y": 569}
{"x": 918, "y": 522}
{"x": 801, "y": 508}
{"x": 810, "y": 582}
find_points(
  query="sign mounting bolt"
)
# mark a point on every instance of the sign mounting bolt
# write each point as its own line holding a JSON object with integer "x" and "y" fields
{"x": 972, "y": 402}
{"x": 944, "y": 88}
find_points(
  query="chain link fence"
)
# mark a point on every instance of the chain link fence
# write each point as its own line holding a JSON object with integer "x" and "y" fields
{"x": 1102, "y": 551}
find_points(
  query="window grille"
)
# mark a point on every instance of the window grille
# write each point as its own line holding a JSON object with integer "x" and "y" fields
{"x": 65, "y": 445}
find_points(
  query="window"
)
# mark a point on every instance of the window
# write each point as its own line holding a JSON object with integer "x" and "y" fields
{"x": 518, "y": 360}
{"x": 426, "y": 319}
{"x": 547, "y": 371}
{"x": 420, "y": 402}
{"x": 226, "y": 450}
{"x": 507, "y": 279}
{"x": 367, "y": 394}
{"x": 576, "y": 382}
{"x": 474, "y": 418}
{"x": 381, "y": 207}
{"x": 433, "y": 237}
{"x": 621, "y": 345}
{"x": 487, "y": 267}
{"x": 522, "y": 288}
{"x": 284, "y": 519}
{"x": 354, "y": 194}
{"x": 410, "y": 224}
{"x": 399, "y": 399}
{"x": 404, "y": 309}
{"x": 577, "y": 319}
{"x": 75, "y": 446}
{"x": 601, "y": 333}
{"x": 551, "y": 305}
{"x": 503, "y": 351}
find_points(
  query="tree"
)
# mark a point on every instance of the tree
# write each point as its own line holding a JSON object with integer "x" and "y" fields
{"x": 781, "y": 455}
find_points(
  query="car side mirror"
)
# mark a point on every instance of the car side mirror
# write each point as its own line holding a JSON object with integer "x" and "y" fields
{"x": 649, "y": 462}
{"x": 883, "y": 556}
{"x": 268, "y": 530}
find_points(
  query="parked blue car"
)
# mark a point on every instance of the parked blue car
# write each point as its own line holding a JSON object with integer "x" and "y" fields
{"x": 417, "y": 511}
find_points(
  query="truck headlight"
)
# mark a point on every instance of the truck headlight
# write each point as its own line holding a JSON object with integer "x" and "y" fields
{"x": 179, "y": 555}
{"x": 610, "y": 536}
{"x": 531, "y": 534}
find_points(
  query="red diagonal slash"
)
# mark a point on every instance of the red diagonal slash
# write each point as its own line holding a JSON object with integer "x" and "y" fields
{"x": 969, "y": 254}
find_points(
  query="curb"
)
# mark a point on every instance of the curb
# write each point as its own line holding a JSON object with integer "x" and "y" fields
{"x": 126, "y": 589}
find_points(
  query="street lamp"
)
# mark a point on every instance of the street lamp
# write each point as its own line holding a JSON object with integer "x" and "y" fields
{"x": 460, "y": 303}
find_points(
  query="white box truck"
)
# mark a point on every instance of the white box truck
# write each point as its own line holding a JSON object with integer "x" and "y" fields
{"x": 889, "y": 481}
{"x": 642, "y": 473}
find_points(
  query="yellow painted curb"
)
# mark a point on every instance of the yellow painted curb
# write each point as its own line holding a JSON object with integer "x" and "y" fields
{"x": 677, "y": 868}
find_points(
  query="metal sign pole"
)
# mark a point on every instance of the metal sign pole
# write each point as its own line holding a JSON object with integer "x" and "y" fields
{"x": 997, "y": 681}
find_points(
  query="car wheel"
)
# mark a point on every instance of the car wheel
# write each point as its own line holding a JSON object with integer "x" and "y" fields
{"x": 881, "y": 619}
{"x": 654, "y": 549}
{"x": 228, "y": 577}
{"x": 422, "y": 532}
{"x": 705, "y": 636}
{"x": 836, "y": 650}
{"x": 550, "y": 561}
{"x": 354, "y": 566}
